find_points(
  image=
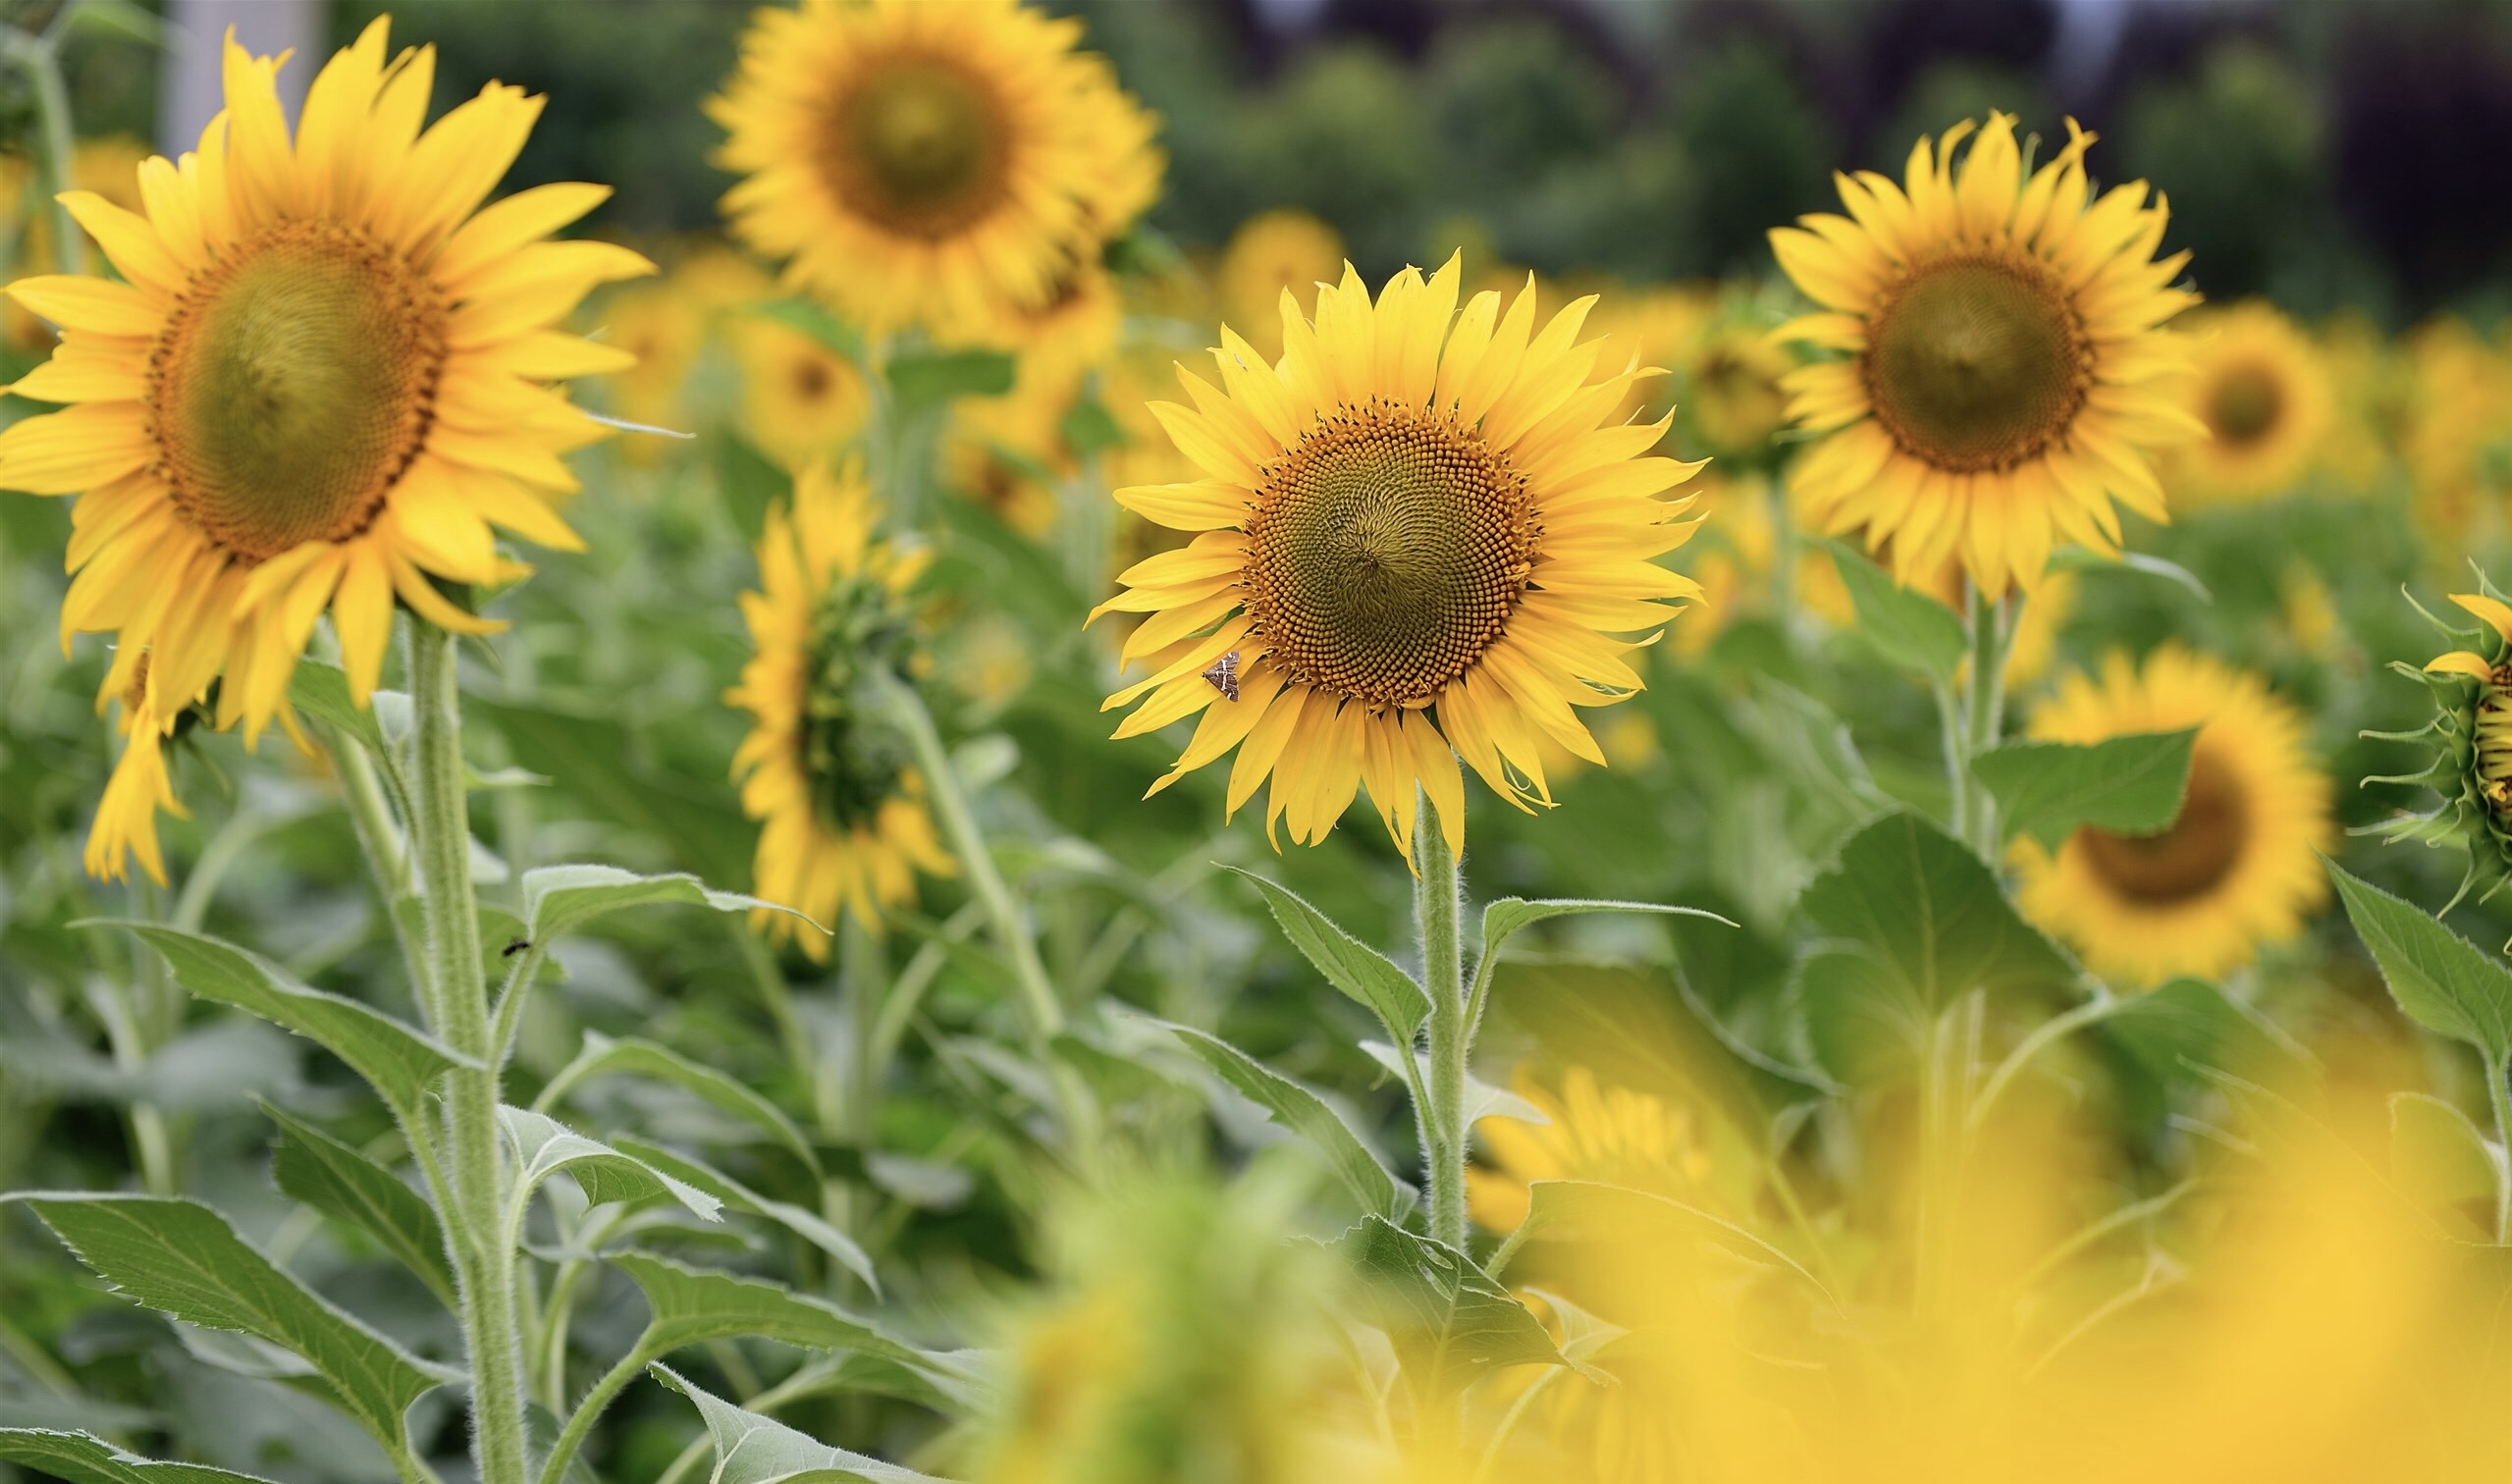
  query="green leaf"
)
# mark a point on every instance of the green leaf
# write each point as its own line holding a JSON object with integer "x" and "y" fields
{"x": 320, "y": 689}
{"x": 1481, "y": 1101}
{"x": 313, "y": 1167}
{"x": 397, "y": 1061}
{"x": 693, "y": 1305}
{"x": 754, "y": 1450}
{"x": 2127, "y": 785}
{"x": 594, "y": 761}
{"x": 1929, "y": 917}
{"x": 2079, "y": 559}
{"x": 1351, "y": 966}
{"x": 931, "y": 377}
{"x": 817, "y": 322}
{"x": 1503, "y": 919}
{"x": 1593, "y": 1211}
{"x": 1089, "y": 427}
{"x": 544, "y": 1146}
{"x": 1308, "y": 1115}
{"x": 1908, "y": 626}
{"x": 1454, "y": 1319}
{"x": 749, "y": 482}
{"x": 2188, "y": 1026}
{"x": 182, "y": 1257}
{"x": 638, "y": 1057}
{"x": 82, "y": 1459}
{"x": 2441, "y": 1163}
{"x": 732, "y": 1193}
{"x": 559, "y": 899}
{"x": 2444, "y": 982}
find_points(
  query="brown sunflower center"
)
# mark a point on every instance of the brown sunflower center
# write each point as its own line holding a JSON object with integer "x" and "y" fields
{"x": 293, "y": 385}
{"x": 920, "y": 145}
{"x": 2192, "y": 856}
{"x": 1385, "y": 553}
{"x": 2245, "y": 405}
{"x": 1976, "y": 363}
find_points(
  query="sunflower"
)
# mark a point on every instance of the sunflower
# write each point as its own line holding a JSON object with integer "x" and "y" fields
{"x": 322, "y": 384}
{"x": 1271, "y": 251}
{"x": 2238, "y": 866}
{"x": 800, "y": 400}
{"x": 916, "y": 161}
{"x": 126, "y": 822}
{"x": 844, "y": 824}
{"x": 2471, "y": 733}
{"x": 2264, "y": 395}
{"x": 997, "y": 447}
{"x": 1416, "y": 513}
{"x": 1598, "y": 1131}
{"x": 2003, "y": 369}
{"x": 1732, "y": 378}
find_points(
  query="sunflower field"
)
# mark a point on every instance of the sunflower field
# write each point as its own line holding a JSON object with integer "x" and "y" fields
{"x": 1256, "y": 742}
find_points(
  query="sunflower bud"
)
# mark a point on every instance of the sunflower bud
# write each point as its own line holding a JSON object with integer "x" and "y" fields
{"x": 2471, "y": 735}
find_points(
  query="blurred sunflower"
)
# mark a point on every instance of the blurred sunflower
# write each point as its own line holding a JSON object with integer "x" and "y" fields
{"x": 997, "y": 447}
{"x": 1416, "y": 510}
{"x": 930, "y": 161}
{"x": 2238, "y": 866}
{"x": 322, "y": 384}
{"x": 2452, "y": 438}
{"x": 1733, "y": 376}
{"x": 800, "y": 400}
{"x": 2005, "y": 372}
{"x": 2264, "y": 395}
{"x": 843, "y": 823}
{"x": 109, "y": 167}
{"x": 1597, "y": 1132}
{"x": 1285, "y": 248}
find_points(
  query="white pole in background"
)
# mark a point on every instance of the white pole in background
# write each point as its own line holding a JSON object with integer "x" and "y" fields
{"x": 188, "y": 90}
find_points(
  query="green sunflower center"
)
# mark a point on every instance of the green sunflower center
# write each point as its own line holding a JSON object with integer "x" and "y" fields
{"x": 2245, "y": 405}
{"x": 2192, "y": 856}
{"x": 1976, "y": 363}
{"x": 1386, "y": 553}
{"x": 920, "y": 145}
{"x": 855, "y": 759}
{"x": 293, "y": 385}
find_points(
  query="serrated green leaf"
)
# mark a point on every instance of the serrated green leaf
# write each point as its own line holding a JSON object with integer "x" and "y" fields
{"x": 2444, "y": 982}
{"x": 320, "y": 689}
{"x": 1454, "y": 1321}
{"x": 182, "y": 1257}
{"x": 732, "y": 1193}
{"x": 2441, "y": 1163}
{"x": 559, "y": 899}
{"x": 811, "y": 319}
{"x": 84, "y": 1460}
{"x": 1930, "y": 916}
{"x": 1350, "y": 965}
{"x": 2127, "y": 785}
{"x": 692, "y": 1305}
{"x": 1308, "y": 1115}
{"x": 396, "y": 1060}
{"x": 544, "y": 1146}
{"x": 754, "y": 1450}
{"x": 638, "y": 1057}
{"x": 1908, "y": 626}
{"x": 2187, "y": 1027}
{"x": 2079, "y": 559}
{"x": 313, "y": 1167}
{"x": 1503, "y": 919}
{"x": 931, "y": 377}
{"x": 1481, "y": 1101}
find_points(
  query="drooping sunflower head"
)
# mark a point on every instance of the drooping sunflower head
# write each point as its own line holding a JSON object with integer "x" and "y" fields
{"x": 2261, "y": 389}
{"x": 2003, "y": 373}
{"x": 1418, "y": 532}
{"x": 2471, "y": 735}
{"x": 323, "y": 380}
{"x": 2237, "y": 868}
{"x": 828, "y": 776}
{"x": 930, "y": 161}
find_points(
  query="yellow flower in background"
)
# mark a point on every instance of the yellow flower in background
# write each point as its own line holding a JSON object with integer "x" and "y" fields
{"x": 2262, "y": 391}
{"x": 2004, "y": 373}
{"x": 1660, "y": 325}
{"x": 322, "y": 384}
{"x": 2236, "y": 869}
{"x": 1597, "y": 1132}
{"x": 2456, "y": 419}
{"x": 800, "y": 401}
{"x": 109, "y": 167}
{"x": 1730, "y": 387}
{"x": 2370, "y": 390}
{"x": 1285, "y": 248}
{"x": 995, "y": 447}
{"x": 1416, "y": 513}
{"x": 843, "y": 823}
{"x": 930, "y": 161}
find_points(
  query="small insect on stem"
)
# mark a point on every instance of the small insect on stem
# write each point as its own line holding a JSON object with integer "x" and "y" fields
{"x": 1225, "y": 675}
{"x": 514, "y": 949}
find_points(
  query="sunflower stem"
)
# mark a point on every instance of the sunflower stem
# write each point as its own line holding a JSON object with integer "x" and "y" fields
{"x": 442, "y": 829}
{"x": 1985, "y": 692}
{"x": 1439, "y": 915}
{"x": 39, "y": 58}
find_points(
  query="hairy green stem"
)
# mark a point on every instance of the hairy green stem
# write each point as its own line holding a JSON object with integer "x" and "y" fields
{"x": 39, "y": 58}
{"x": 1986, "y": 705}
{"x": 867, "y": 966}
{"x": 589, "y": 1410}
{"x": 1438, "y": 916}
{"x": 442, "y": 831}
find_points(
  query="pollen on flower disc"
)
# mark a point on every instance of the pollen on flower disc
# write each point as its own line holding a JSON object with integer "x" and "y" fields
{"x": 293, "y": 385}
